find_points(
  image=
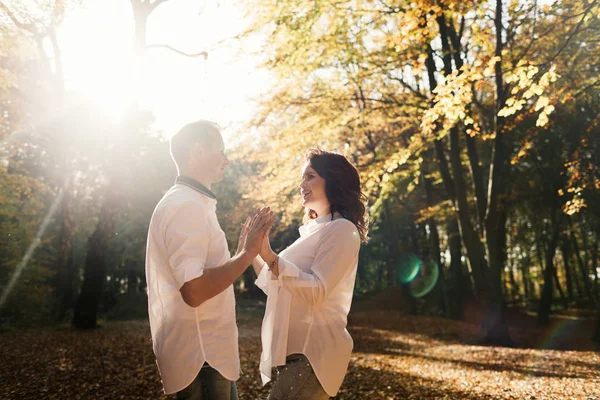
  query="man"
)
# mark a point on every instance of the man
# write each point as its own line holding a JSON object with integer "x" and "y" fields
{"x": 190, "y": 273}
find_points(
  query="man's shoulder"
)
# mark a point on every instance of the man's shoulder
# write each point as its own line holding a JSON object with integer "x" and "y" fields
{"x": 180, "y": 196}
{"x": 179, "y": 200}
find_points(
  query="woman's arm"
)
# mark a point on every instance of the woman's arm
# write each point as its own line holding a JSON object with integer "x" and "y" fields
{"x": 337, "y": 252}
{"x": 257, "y": 264}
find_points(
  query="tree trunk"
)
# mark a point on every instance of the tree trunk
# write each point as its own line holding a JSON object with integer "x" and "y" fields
{"x": 382, "y": 273}
{"x": 64, "y": 268}
{"x": 516, "y": 292}
{"x": 86, "y": 309}
{"x": 526, "y": 279}
{"x": 395, "y": 244}
{"x": 488, "y": 284}
{"x": 391, "y": 274}
{"x": 596, "y": 337}
{"x": 595, "y": 267}
{"x": 586, "y": 251}
{"x": 586, "y": 262}
{"x": 440, "y": 287}
{"x": 560, "y": 290}
{"x": 574, "y": 276}
{"x": 456, "y": 310}
{"x": 435, "y": 249}
{"x": 461, "y": 284}
{"x": 477, "y": 175}
{"x": 497, "y": 327}
{"x": 546, "y": 298}
{"x": 494, "y": 326}
{"x": 566, "y": 260}
{"x": 471, "y": 241}
{"x": 132, "y": 284}
{"x": 583, "y": 270}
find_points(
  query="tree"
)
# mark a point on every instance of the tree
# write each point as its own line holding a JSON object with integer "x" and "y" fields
{"x": 39, "y": 25}
{"x": 390, "y": 84}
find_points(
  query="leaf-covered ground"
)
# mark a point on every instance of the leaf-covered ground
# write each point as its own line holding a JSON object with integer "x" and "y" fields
{"x": 395, "y": 357}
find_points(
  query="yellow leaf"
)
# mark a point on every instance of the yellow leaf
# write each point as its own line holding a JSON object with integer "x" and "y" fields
{"x": 542, "y": 102}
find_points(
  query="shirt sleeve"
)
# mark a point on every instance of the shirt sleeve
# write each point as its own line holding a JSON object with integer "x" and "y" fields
{"x": 262, "y": 281}
{"x": 187, "y": 238}
{"x": 337, "y": 253}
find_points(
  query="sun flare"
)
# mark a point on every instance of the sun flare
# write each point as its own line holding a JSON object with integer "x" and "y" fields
{"x": 97, "y": 53}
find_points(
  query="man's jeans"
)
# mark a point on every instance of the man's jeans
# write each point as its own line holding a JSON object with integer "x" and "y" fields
{"x": 209, "y": 385}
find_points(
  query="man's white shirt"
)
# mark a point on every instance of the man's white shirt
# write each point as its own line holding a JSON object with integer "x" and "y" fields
{"x": 184, "y": 239}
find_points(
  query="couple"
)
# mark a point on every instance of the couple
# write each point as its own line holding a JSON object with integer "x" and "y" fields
{"x": 309, "y": 285}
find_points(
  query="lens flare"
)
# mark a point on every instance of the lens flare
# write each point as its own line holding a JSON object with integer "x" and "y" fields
{"x": 425, "y": 280}
{"x": 560, "y": 334}
{"x": 407, "y": 269}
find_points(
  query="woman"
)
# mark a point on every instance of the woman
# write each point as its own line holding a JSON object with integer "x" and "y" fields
{"x": 310, "y": 284}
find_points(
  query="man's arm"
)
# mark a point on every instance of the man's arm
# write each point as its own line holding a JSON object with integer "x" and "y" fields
{"x": 215, "y": 280}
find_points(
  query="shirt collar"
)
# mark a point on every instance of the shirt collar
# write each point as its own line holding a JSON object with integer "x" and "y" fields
{"x": 194, "y": 184}
{"x": 317, "y": 223}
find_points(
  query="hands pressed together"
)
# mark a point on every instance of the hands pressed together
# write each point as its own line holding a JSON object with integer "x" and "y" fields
{"x": 254, "y": 236}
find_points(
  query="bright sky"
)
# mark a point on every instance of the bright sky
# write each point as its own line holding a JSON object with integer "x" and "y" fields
{"x": 96, "y": 45}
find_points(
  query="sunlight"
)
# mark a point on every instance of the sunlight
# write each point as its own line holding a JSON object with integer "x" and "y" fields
{"x": 96, "y": 44}
{"x": 32, "y": 246}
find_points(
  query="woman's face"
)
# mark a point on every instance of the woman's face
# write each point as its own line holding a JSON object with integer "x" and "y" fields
{"x": 312, "y": 190}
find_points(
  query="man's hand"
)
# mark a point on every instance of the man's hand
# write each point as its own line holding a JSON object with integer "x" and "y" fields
{"x": 243, "y": 235}
{"x": 257, "y": 230}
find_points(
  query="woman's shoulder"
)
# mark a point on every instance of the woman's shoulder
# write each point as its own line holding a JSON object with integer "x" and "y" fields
{"x": 341, "y": 233}
{"x": 341, "y": 224}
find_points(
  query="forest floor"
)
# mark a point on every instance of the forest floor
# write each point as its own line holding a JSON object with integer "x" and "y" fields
{"x": 395, "y": 357}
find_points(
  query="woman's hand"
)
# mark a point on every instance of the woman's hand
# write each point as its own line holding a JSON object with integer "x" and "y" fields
{"x": 266, "y": 253}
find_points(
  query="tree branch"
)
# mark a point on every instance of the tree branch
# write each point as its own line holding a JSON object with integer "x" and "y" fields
{"x": 570, "y": 35}
{"x": 166, "y": 46}
{"x": 30, "y": 27}
{"x": 58, "y": 13}
{"x": 156, "y": 4}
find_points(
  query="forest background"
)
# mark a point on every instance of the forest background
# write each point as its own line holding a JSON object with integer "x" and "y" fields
{"x": 474, "y": 125}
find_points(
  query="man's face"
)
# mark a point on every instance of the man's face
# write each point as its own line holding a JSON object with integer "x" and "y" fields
{"x": 212, "y": 160}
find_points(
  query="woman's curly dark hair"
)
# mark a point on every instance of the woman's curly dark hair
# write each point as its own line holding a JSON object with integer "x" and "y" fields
{"x": 342, "y": 188}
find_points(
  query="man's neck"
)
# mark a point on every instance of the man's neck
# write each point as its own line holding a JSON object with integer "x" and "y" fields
{"x": 194, "y": 184}
{"x": 202, "y": 179}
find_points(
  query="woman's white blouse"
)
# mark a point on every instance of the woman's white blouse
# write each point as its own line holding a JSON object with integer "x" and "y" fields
{"x": 308, "y": 305}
